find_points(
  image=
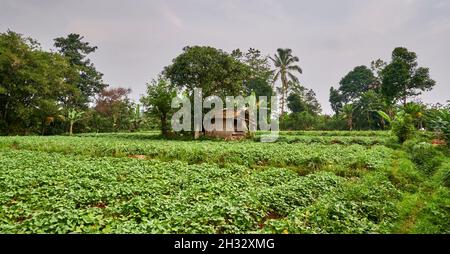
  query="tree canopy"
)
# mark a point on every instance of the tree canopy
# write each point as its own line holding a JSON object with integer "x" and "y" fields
{"x": 88, "y": 80}
{"x": 213, "y": 70}
{"x": 33, "y": 82}
{"x": 402, "y": 78}
{"x": 356, "y": 82}
{"x": 158, "y": 101}
{"x": 286, "y": 68}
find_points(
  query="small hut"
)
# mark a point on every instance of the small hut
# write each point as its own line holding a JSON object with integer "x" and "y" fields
{"x": 237, "y": 118}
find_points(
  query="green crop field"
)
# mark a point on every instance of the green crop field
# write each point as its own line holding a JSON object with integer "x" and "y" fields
{"x": 306, "y": 182}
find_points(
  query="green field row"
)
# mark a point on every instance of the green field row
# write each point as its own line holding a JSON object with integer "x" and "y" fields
{"x": 221, "y": 153}
{"x": 46, "y": 192}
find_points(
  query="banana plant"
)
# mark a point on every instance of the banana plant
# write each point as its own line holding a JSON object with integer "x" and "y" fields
{"x": 136, "y": 117}
{"x": 73, "y": 116}
{"x": 385, "y": 118}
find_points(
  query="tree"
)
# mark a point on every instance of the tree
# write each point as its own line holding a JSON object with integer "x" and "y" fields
{"x": 158, "y": 101}
{"x": 136, "y": 118}
{"x": 88, "y": 79}
{"x": 285, "y": 67}
{"x": 301, "y": 99}
{"x": 312, "y": 102}
{"x": 377, "y": 67}
{"x": 402, "y": 78}
{"x": 336, "y": 100}
{"x": 356, "y": 82}
{"x": 73, "y": 116}
{"x": 353, "y": 85}
{"x": 296, "y": 103}
{"x": 260, "y": 75}
{"x": 208, "y": 68}
{"x": 299, "y": 121}
{"x": 365, "y": 110}
{"x": 32, "y": 83}
{"x": 347, "y": 114}
{"x": 114, "y": 103}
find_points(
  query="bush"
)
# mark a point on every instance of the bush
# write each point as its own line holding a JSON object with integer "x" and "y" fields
{"x": 405, "y": 175}
{"x": 424, "y": 155}
{"x": 433, "y": 218}
{"x": 441, "y": 123}
{"x": 403, "y": 126}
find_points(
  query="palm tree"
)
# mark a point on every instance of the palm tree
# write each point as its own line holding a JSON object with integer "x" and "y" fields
{"x": 285, "y": 66}
{"x": 347, "y": 113}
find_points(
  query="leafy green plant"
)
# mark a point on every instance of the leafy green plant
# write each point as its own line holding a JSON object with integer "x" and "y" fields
{"x": 424, "y": 155}
{"x": 384, "y": 118}
{"x": 441, "y": 123}
{"x": 403, "y": 126}
{"x": 73, "y": 116}
{"x": 142, "y": 183}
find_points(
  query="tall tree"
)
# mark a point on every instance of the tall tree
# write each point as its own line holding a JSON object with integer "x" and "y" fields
{"x": 366, "y": 108}
{"x": 377, "y": 67}
{"x": 261, "y": 76}
{"x": 285, "y": 68}
{"x": 336, "y": 100}
{"x": 208, "y": 68}
{"x": 88, "y": 79}
{"x": 356, "y": 82}
{"x": 402, "y": 78}
{"x": 302, "y": 99}
{"x": 32, "y": 82}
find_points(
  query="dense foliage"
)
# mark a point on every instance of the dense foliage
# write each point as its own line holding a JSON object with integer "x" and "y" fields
{"x": 307, "y": 182}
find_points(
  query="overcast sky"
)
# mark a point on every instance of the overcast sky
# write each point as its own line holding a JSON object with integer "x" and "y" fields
{"x": 136, "y": 39}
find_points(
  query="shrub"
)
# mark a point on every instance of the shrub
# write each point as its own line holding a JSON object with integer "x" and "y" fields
{"x": 424, "y": 155}
{"x": 441, "y": 123}
{"x": 403, "y": 126}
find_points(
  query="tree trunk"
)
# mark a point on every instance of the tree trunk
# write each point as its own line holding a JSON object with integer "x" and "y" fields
{"x": 43, "y": 127}
{"x": 71, "y": 128}
{"x": 164, "y": 124}
{"x": 114, "y": 122}
{"x": 283, "y": 91}
{"x": 6, "y": 110}
{"x": 5, "y": 114}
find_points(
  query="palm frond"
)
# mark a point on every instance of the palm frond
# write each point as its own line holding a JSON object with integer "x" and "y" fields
{"x": 295, "y": 68}
{"x": 277, "y": 75}
{"x": 293, "y": 77}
